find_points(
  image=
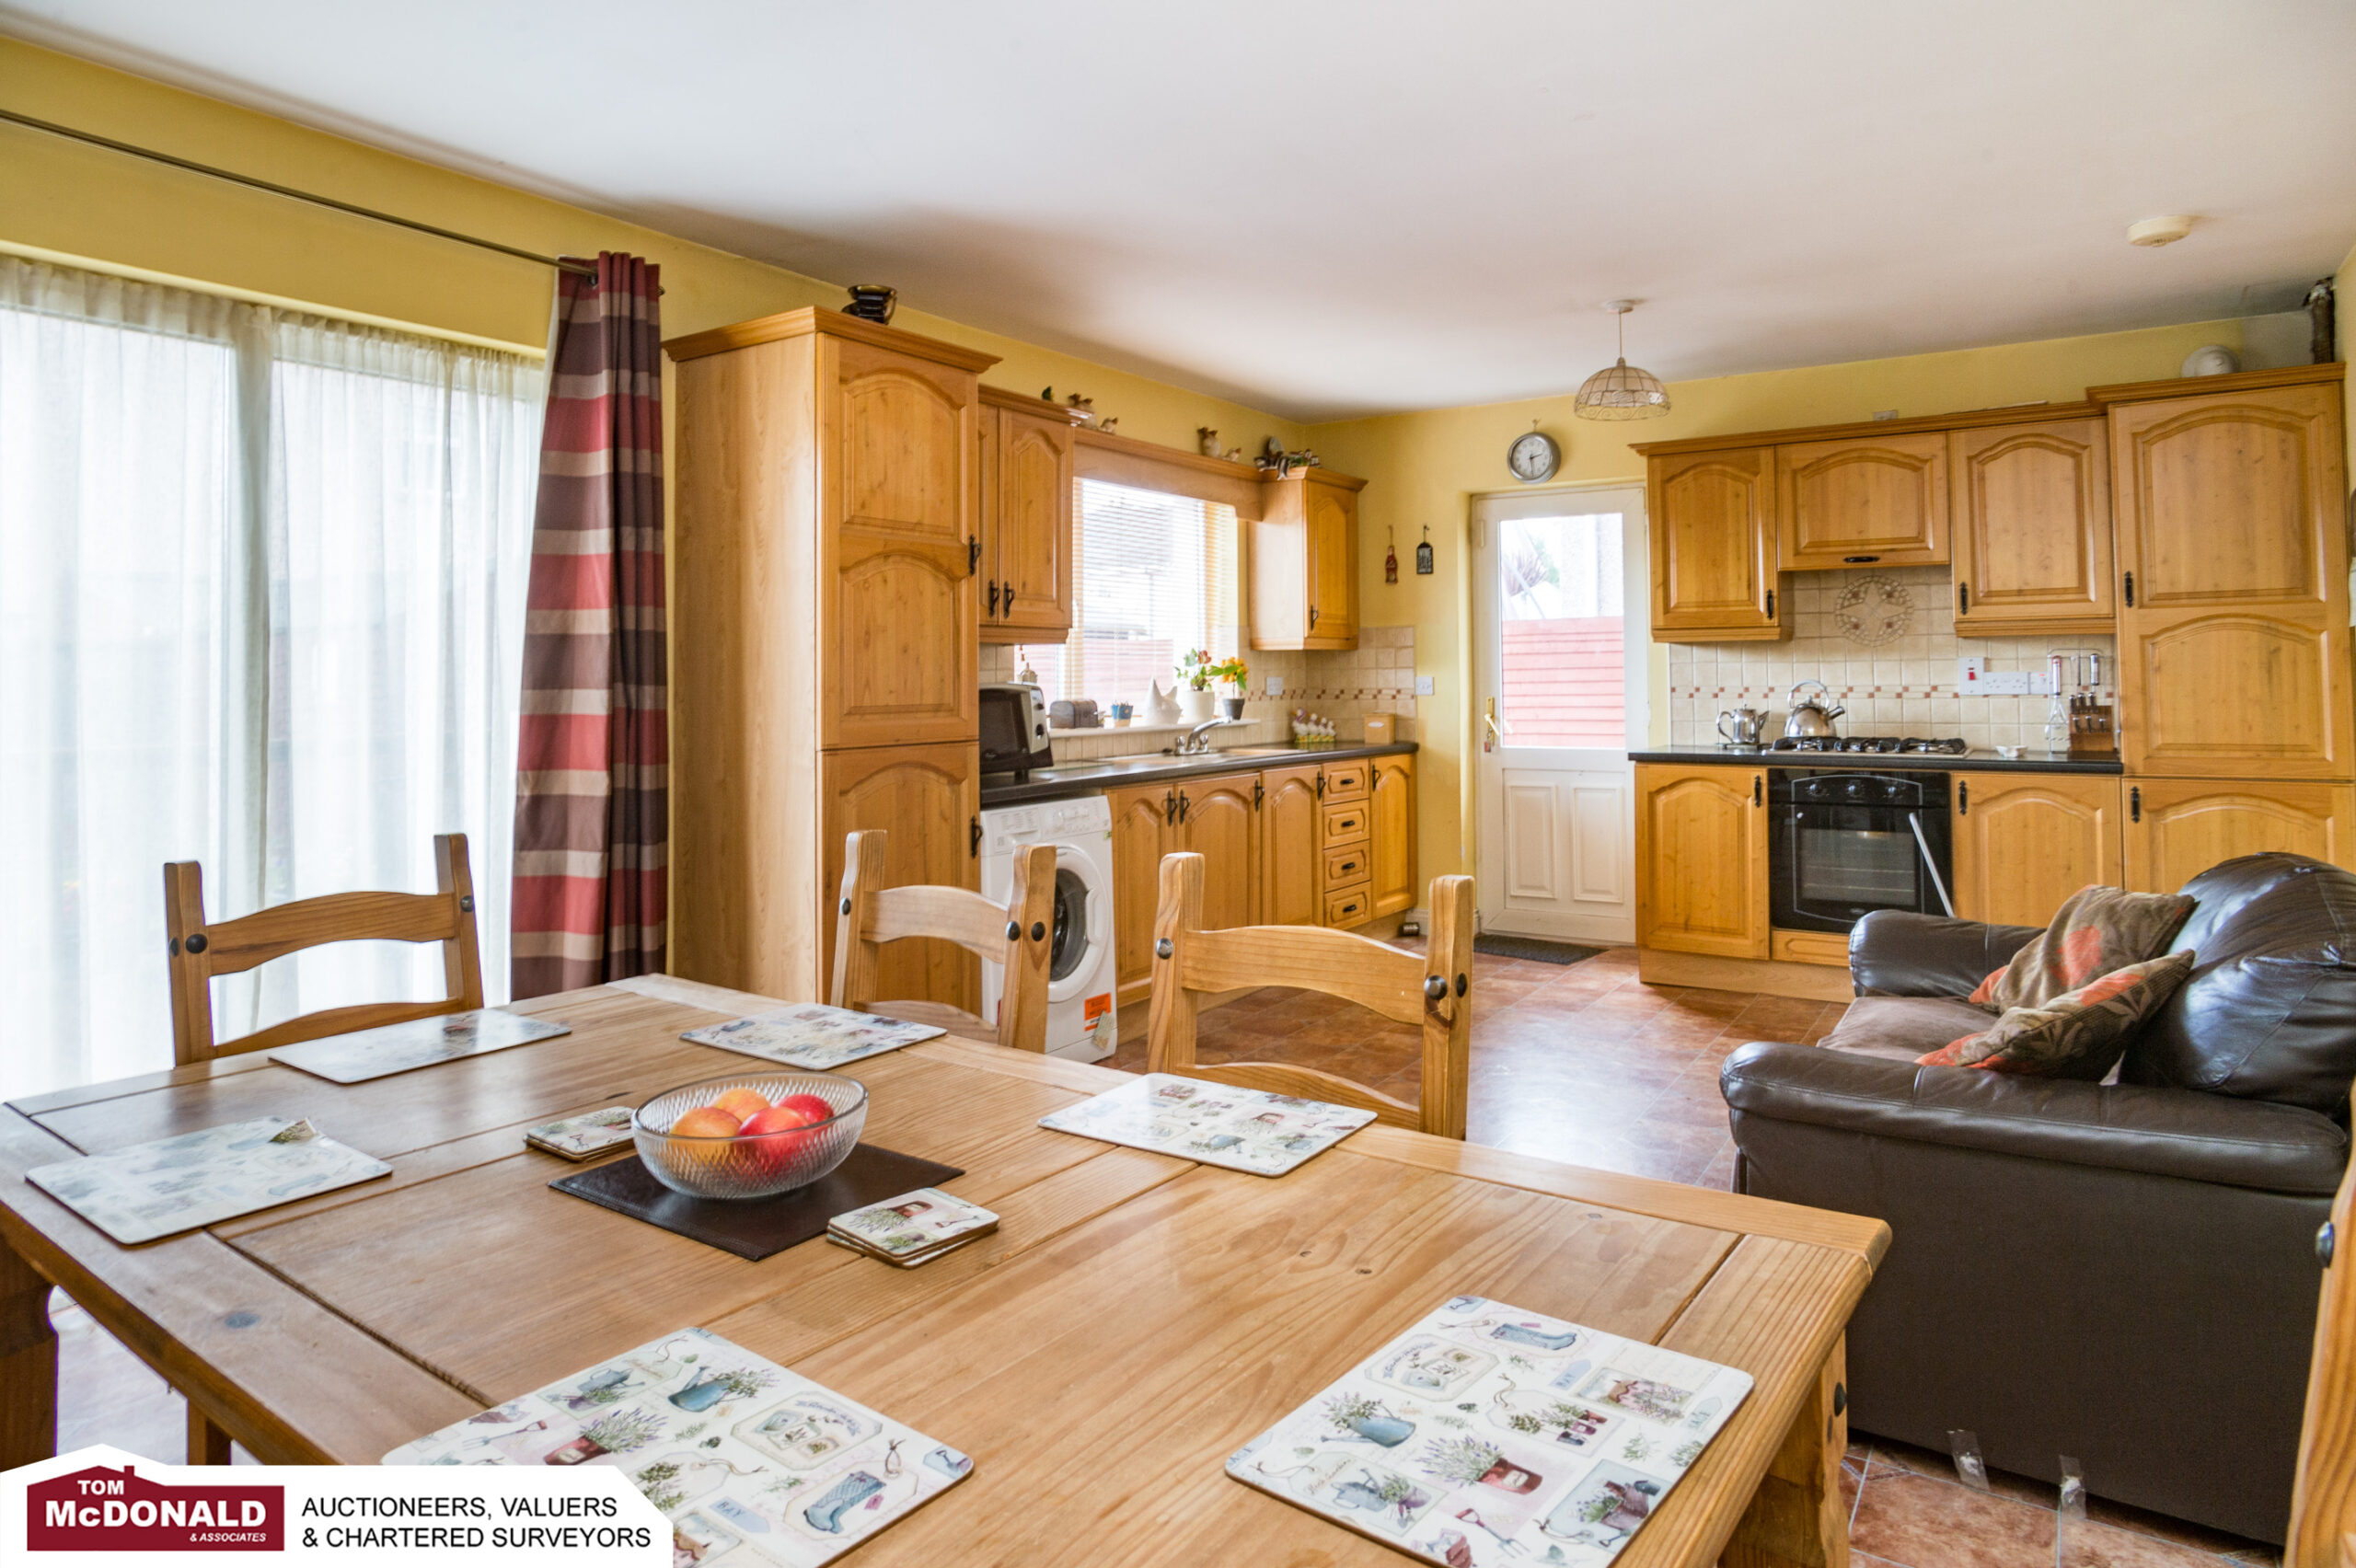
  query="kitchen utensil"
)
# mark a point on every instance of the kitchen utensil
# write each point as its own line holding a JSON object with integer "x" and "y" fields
{"x": 1812, "y": 717}
{"x": 1750, "y": 727}
{"x": 759, "y": 1166}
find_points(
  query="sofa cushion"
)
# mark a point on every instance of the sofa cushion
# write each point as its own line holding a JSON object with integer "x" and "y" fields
{"x": 2269, "y": 1012}
{"x": 2079, "y": 1034}
{"x": 2096, "y": 932}
{"x": 1902, "y": 1027}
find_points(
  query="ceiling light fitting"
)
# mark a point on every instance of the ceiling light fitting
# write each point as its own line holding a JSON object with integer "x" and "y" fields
{"x": 2159, "y": 231}
{"x": 1623, "y": 391}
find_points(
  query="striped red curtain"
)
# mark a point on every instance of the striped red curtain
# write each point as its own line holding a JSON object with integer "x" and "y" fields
{"x": 592, "y": 787}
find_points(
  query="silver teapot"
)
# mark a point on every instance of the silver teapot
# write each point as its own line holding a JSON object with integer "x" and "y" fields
{"x": 1810, "y": 718}
{"x": 1748, "y": 727}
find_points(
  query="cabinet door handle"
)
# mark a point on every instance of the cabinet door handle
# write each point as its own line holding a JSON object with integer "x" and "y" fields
{"x": 1010, "y": 598}
{"x": 2131, "y": 590}
{"x": 972, "y": 555}
{"x": 1312, "y": 617}
{"x": 1859, "y": 561}
{"x": 993, "y": 601}
{"x": 1183, "y": 804}
{"x": 1321, "y": 783}
{"x": 1258, "y": 793}
{"x": 1963, "y": 598}
{"x": 1757, "y": 790}
{"x": 1963, "y": 800}
{"x": 1170, "y": 804}
{"x": 1771, "y": 604}
{"x": 2135, "y": 804}
{"x": 973, "y": 841}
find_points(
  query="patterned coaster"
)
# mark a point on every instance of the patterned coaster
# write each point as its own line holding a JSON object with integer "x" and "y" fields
{"x": 755, "y": 1228}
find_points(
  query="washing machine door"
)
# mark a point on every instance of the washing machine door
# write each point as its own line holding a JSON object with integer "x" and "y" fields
{"x": 1079, "y": 951}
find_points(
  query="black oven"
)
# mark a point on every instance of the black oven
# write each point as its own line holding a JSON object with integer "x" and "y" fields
{"x": 1848, "y": 842}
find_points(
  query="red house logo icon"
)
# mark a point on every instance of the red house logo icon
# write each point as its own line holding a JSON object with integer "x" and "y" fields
{"x": 102, "y": 1509}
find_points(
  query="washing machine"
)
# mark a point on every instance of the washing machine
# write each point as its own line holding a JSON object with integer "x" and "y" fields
{"x": 1082, "y": 1022}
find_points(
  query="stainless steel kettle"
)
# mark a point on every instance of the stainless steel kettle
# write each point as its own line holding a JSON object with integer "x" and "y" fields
{"x": 1743, "y": 727}
{"x": 1810, "y": 718}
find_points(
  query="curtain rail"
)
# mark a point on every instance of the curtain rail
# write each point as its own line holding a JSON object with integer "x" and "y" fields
{"x": 560, "y": 263}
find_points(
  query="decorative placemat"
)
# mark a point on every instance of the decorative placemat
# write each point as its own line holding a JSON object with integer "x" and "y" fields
{"x": 755, "y": 1228}
{"x": 391, "y": 1048}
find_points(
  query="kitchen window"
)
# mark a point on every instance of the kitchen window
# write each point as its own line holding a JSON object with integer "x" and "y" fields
{"x": 1155, "y": 574}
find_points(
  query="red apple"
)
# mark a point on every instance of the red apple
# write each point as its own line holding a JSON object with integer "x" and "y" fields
{"x": 778, "y": 1135}
{"x": 811, "y": 1105}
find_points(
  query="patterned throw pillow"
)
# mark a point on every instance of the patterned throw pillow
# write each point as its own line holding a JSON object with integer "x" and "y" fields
{"x": 2077, "y": 1035}
{"x": 2097, "y": 930}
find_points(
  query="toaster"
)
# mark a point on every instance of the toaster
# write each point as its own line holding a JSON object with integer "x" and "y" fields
{"x": 1014, "y": 730}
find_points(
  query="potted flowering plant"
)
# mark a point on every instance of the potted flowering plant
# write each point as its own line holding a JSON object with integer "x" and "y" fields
{"x": 1197, "y": 671}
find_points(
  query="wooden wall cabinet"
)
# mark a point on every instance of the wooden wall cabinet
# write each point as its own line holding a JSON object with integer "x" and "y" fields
{"x": 1712, "y": 520}
{"x": 1393, "y": 822}
{"x": 2177, "y": 829}
{"x": 1865, "y": 500}
{"x": 825, "y": 638}
{"x": 2233, "y": 622}
{"x": 1304, "y": 570}
{"x": 1026, "y": 556}
{"x": 1702, "y": 859}
{"x": 2024, "y": 842}
{"x": 2031, "y": 529}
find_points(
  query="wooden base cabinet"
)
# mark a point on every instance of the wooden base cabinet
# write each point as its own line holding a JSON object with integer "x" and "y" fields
{"x": 2177, "y": 829}
{"x": 1393, "y": 822}
{"x": 1292, "y": 858}
{"x": 1217, "y": 818}
{"x": 1702, "y": 859}
{"x": 2024, "y": 842}
{"x": 824, "y": 611}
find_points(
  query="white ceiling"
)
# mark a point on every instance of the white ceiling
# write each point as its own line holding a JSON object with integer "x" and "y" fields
{"x": 1333, "y": 207}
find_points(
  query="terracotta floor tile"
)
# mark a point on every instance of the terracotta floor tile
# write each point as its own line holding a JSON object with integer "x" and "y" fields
{"x": 1891, "y": 1456}
{"x": 2181, "y": 1532}
{"x": 2087, "y": 1544}
{"x": 1923, "y": 1523}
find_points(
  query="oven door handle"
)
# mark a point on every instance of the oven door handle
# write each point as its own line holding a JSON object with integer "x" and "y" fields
{"x": 1930, "y": 864}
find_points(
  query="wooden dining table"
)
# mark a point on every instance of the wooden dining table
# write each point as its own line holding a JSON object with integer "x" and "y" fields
{"x": 1135, "y": 1318}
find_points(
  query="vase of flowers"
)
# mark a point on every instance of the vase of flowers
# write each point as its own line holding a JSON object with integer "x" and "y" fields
{"x": 1198, "y": 674}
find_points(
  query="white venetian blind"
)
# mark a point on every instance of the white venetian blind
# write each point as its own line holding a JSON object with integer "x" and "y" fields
{"x": 1155, "y": 576}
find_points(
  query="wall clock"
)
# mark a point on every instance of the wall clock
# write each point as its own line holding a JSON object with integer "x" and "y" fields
{"x": 1533, "y": 457}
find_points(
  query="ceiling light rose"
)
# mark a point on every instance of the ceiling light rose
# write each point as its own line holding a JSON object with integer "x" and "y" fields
{"x": 1623, "y": 391}
{"x": 2160, "y": 231}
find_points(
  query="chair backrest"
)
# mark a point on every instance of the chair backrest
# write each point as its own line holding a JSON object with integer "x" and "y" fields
{"x": 1017, "y": 935}
{"x": 1433, "y": 991}
{"x": 200, "y": 951}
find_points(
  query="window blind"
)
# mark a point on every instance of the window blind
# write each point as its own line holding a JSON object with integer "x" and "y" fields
{"x": 1155, "y": 574}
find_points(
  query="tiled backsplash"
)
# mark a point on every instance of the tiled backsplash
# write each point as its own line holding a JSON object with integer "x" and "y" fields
{"x": 1377, "y": 676}
{"x": 1890, "y": 659}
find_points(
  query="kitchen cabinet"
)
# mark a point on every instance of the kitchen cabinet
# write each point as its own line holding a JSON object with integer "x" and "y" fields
{"x": 2177, "y": 829}
{"x": 1714, "y": 546}
{"x": 1217, "y": 818}
{"x": 825, "y": 638}
{"x": 2024, "y": 842}
{"x": 1291, "y": 859}
{"x": 1393, "y": 799}
{"x": 2031, "y": 529}
{"x": 1702, "y": 859}
{"x": 928, "y": 798}
{"x": 1862, "y": 501}
{"x": 1304, "y": 570}
{"x": 1026, "y": 538}
{"x": 2233, "y": 620}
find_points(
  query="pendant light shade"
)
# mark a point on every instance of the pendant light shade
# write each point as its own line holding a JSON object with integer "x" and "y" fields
{"x": 1622, "y": 391}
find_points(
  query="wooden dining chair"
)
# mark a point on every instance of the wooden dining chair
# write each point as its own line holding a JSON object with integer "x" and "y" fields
{"x": 1016, "y": 935}
{"x": 201, "y": 950}
{"x": 1433, "y": 991}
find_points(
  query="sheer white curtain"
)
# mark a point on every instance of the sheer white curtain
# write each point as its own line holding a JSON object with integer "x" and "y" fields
{"x": 261, "y": 599}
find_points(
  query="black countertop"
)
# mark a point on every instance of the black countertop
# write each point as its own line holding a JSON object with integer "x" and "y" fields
{"x": 2029, "y": 760}
{"x": 1087, "y": 777}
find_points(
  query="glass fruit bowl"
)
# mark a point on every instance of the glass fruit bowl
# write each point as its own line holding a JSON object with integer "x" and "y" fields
{"x": 759, "y": 1163}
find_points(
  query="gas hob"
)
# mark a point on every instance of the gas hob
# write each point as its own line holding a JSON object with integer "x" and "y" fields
{"x": 1870, "y": 744}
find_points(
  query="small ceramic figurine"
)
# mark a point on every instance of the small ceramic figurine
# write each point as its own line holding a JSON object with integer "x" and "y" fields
{"x": 1160, "y": 708}
{"x": 1206, "y": 441}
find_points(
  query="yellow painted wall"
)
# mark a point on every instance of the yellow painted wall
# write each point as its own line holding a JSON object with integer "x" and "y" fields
{"x": 1425, "y": 469}
{"x": 77, "y": 200}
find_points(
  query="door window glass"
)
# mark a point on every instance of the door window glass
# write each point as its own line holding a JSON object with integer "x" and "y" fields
{"x": 1560, "y": 603}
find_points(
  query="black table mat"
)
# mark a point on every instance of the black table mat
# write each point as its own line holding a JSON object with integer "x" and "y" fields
{"x": 755, "y": 1228}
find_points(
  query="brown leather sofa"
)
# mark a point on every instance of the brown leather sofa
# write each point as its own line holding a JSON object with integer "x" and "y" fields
{"x": 2124, "y": 1272}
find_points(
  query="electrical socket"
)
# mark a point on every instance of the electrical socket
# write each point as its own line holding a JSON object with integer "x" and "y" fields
{"x": 1276, "y": 686}
{"x": 1425, "y": 686}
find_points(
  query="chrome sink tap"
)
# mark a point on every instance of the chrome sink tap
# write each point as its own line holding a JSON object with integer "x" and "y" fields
{"x": 1192, "y": 744}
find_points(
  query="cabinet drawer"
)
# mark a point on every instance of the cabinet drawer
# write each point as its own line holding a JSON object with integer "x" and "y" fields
{"x": 1345, "y": 824}
{"x": 1346, "y": 780}
{"x": 1352, "y": 908}
{"x": 1350, "y": 863}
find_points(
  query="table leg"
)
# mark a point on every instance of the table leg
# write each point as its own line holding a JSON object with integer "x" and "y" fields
{"x": 207, "y": 1444}
{"x": 28, "y": 1364}
{"x": 1796, "y": 1518}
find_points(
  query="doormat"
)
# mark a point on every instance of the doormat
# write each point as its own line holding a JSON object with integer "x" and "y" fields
{"x": 1533, "y": 949}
